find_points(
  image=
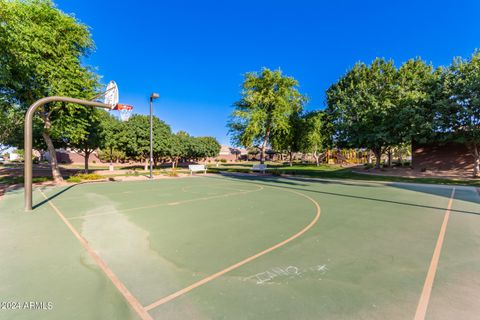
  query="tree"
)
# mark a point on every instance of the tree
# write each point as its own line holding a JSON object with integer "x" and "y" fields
{"x": 458, "y": 109}
{"x": 414, "y": 116}
{"x": 111, "y": 134}
{"x": 289, "y": 140}
{"x": 10, "y": 121}
{"x": 315, "y": 135}
{"x": 134, "y": 137}
{"x": 40, "y": 53}
{"x": 268, "y": 100}
{"x": 92, "y": 139}
{"x": 203, "y": 147}
{"x": 161, "y": 136}
{"x": 362, "y": 106}
{"x": 178, "y": 145}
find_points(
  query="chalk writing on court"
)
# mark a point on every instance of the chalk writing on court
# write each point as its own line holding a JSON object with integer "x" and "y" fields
{"x": 289, "y": 272}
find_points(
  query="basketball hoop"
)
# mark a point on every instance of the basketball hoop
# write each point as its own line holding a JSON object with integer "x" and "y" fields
{"x": 125, "y": 111}
{"x": 111, "y": 94}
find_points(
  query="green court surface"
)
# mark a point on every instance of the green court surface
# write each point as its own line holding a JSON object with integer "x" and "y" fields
{"x": 239, "y": 247}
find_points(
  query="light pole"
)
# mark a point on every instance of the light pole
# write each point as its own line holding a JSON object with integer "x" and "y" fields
{"x": 153, "y": 96}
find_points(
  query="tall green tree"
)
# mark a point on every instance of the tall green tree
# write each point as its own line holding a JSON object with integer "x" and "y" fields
{"x": 203, "y": 147}
{"x": 315, "y": 134}
{"x": 288, "y": 141}
{"x": 178, "y": 146}
{"x": 134, "y": 138}
{"x": 415, "y": 114}
{"x": 40, "y": 55}
{"x": 268, "y": 100}
{"x": 362, "y": 106}
{"x": 458, "y": 110}
{"x": 10, "y": 121}
{"x": 111, "y": 137}
{"x": 92, "y": 139}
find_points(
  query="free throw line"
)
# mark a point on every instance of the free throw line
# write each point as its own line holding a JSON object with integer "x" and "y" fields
{"x": 134, "y": 303}
{"x": 432, "y": 270}
{"x": 241, "y": 263}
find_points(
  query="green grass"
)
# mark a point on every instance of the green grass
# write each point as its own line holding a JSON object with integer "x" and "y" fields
{"x": 17, "y": 179}
{"x": 337, "y": 172}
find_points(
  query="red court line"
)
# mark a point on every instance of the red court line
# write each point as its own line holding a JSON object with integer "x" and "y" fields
{"x": 432, "y": 270}
{"x": 134, "y": 303}
{"x": 241, "y": 263}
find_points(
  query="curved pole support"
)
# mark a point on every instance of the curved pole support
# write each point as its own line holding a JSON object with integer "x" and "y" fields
{"x": 28, "y": 138}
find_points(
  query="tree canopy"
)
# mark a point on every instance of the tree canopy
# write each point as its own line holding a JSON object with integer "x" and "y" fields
{"x": 379, "y": 106}
{"x": 458, "y": 108}
{"x": 268, "y": 100}
{"x": 40, "y": 55}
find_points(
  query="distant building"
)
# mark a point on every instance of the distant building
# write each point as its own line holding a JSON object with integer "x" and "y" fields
{"x": 439, "y": 156}
{"x": 68, "y": 156}
{"x": 230, "y": 154}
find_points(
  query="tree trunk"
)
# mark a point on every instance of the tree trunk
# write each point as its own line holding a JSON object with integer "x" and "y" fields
{"x": 290, "y": 158}
{"x": 317, "y": 158}
{"x": 264, "y": 146}
{"x": 57, "y": 176}
{"x": 146, "y": 165}
{"x": 87, "y": 156}
{"x": 378, "y": 155}
{"x": 389, "y": 155}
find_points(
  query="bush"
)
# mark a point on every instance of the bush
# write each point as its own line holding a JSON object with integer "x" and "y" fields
{"x": 81, "y": 177}
{"x": 275, "y": 172}
{"x": 368, "y": 166}
{"x": 223, "y": 160}
{"x": 74, "y": 179}
{"x": 90, "y": 176}
{"x": 173, "y": 173}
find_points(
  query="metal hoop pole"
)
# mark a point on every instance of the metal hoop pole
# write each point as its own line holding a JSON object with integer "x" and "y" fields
{"x": 28, "y": 138}
{"x": 151, "y": 139}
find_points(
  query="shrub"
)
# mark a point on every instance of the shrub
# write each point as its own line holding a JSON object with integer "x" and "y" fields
{"x": 275, "y": 172}
{"x": 81, "y": 177}
{"x": 90, "y": 176}
{"x": 173, "y": 173}
{"x": 74, "y": 179}
{"x": 368, "y": 166}
{"x": 223, "y": 160}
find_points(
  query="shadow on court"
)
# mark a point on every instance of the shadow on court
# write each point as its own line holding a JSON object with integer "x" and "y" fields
{"x": 291, "y": 183}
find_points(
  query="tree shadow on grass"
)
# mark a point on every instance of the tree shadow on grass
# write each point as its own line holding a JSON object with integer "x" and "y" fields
{"x": 291, "y": 184}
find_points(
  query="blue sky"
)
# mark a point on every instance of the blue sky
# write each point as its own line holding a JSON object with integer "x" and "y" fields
{"x": 194, "y": 53}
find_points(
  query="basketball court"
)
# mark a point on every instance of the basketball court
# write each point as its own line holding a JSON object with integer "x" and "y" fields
{"x": 237, "y": 247}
